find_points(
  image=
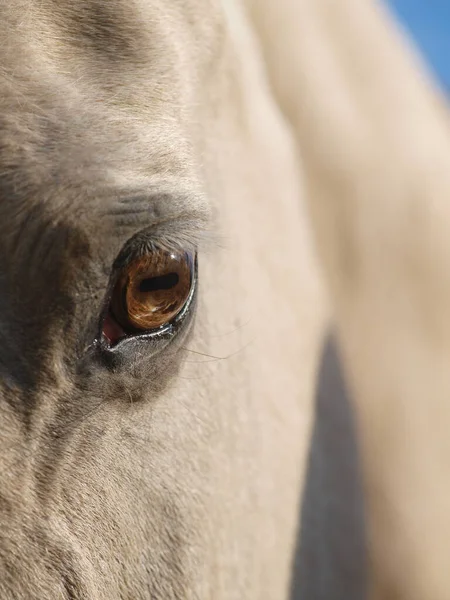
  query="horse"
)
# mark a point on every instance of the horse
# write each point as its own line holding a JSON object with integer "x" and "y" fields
{"x": 192, "y": 193}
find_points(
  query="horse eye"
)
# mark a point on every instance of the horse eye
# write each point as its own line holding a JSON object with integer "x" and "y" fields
{"x": 150, "y": 293}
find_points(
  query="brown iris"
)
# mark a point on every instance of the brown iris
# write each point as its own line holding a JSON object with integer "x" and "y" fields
{"x": 152, "y": 290}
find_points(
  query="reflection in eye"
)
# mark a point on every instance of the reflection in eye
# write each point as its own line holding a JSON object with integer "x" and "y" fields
{"x": 149, "y": 293}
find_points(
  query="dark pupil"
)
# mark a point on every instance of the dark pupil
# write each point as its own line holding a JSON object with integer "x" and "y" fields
{"x": 163, "y": 282}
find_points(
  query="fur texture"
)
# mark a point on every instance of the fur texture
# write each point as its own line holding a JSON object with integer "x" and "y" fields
{"x": 175, "y": 471}
{"x": 375, "y": 140}
{"x": 163, "y": 474}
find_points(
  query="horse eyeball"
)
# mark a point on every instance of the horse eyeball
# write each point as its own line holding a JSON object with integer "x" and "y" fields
{"x": 152, "y": 290}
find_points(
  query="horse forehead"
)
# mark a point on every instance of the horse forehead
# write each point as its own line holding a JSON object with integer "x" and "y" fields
{"x": 110, "y": 38}
{"x": 66, "y": 64}
{"x": 93, "y": 95}
{"x": 142, "y": 57}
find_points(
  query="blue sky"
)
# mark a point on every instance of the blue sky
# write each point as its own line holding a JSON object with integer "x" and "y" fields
{"x": 428, "y": 21}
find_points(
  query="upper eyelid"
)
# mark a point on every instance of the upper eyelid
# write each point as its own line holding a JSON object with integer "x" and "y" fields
{"x": 169, "y": 235}
{"x": 157, "y": 204}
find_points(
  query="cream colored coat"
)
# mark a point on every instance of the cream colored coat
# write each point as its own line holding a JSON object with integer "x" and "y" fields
{"x": 308, "y": 155}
